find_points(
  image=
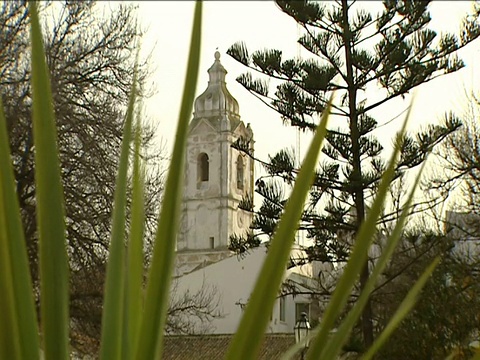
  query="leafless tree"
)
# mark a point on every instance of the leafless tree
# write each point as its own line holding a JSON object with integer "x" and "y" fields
{"x": 460, "y": 158}
{"x": 191, "y": 312}
{"x": 91, "y": 62}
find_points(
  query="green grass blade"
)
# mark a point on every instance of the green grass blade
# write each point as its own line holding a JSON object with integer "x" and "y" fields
{"x": 247, "y": 340}
{"x": 402, "y": 311}
{"x": 16, "y": 281}
{"x": 158, "y": 288}
{"x": 113, "y": 309}
{"x": 50, "y": 207}
{"x": 334, "y": 345}
{"x": 9, "y": 332}
{"x": 134, "y": 276}
{"x": 357, "y": 259}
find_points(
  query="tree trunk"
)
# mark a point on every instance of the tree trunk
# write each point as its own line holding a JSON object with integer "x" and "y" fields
{"x": 357, "y": 187}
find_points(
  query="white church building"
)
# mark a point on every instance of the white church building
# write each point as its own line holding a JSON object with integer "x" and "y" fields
{"x": 217, "y": 177}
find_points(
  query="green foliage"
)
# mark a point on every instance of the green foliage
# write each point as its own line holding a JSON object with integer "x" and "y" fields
{"x": 50, "y": 209}
{"x": 19, "y": 335}
{"x": 399, "y": 56}
{"x": 90, "y": 58}
{"x": 351, "y": 52}
{"x": 245, "y": 344}
{"x": 54, "y": 266}
{"x": 456, "y": 180}
{"x": 407, "y": 304}
{"x": 444, "y": 320}
{"x": 133, "y": 326}
{"x": 113, "y": 311}
{"x": 159, "y": 275}
{"x": 134, "y": 277}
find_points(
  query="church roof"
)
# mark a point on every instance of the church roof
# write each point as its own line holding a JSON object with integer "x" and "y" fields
{"x": 210, "y": 347}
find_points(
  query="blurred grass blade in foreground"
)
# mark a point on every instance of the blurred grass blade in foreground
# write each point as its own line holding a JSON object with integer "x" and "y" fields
{"x": 134, "y": 275}
{"x": 49, "y": 206}
{"x": 402, "y": 311}
{"x": 113, "y": 309}
{"x": 159, "y": 276}
{"x": 337, "y": 340}
{"x": 247, "y": 340}
{"x": 357, "y": 259}
{"x": 18, "y": 328}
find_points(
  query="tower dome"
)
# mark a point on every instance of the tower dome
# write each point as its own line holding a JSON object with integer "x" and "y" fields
{"x": 216, "y": 100}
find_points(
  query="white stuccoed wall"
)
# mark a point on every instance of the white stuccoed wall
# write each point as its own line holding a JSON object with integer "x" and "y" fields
{"x": 234, "y": 278}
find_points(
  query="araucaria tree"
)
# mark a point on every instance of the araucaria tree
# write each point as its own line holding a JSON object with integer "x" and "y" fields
{"x": 91, "y": 61}
{"x": 368, "y": 60}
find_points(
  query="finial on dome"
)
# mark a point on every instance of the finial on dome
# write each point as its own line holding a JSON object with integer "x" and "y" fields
{"x": 216, "y": 99}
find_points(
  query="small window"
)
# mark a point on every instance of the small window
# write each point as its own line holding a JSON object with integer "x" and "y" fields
{"x": 282, "y": 309}
{"x": 240, "y": 172}
{"x": 212, "y": 242}
{"x": 203, "y": 167}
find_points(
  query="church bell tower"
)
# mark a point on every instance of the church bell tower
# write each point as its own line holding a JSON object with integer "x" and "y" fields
{"x": 217, "y": 176}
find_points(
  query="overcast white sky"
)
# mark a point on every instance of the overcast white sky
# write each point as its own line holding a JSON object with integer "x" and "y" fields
{"x": 262, "y": 25}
